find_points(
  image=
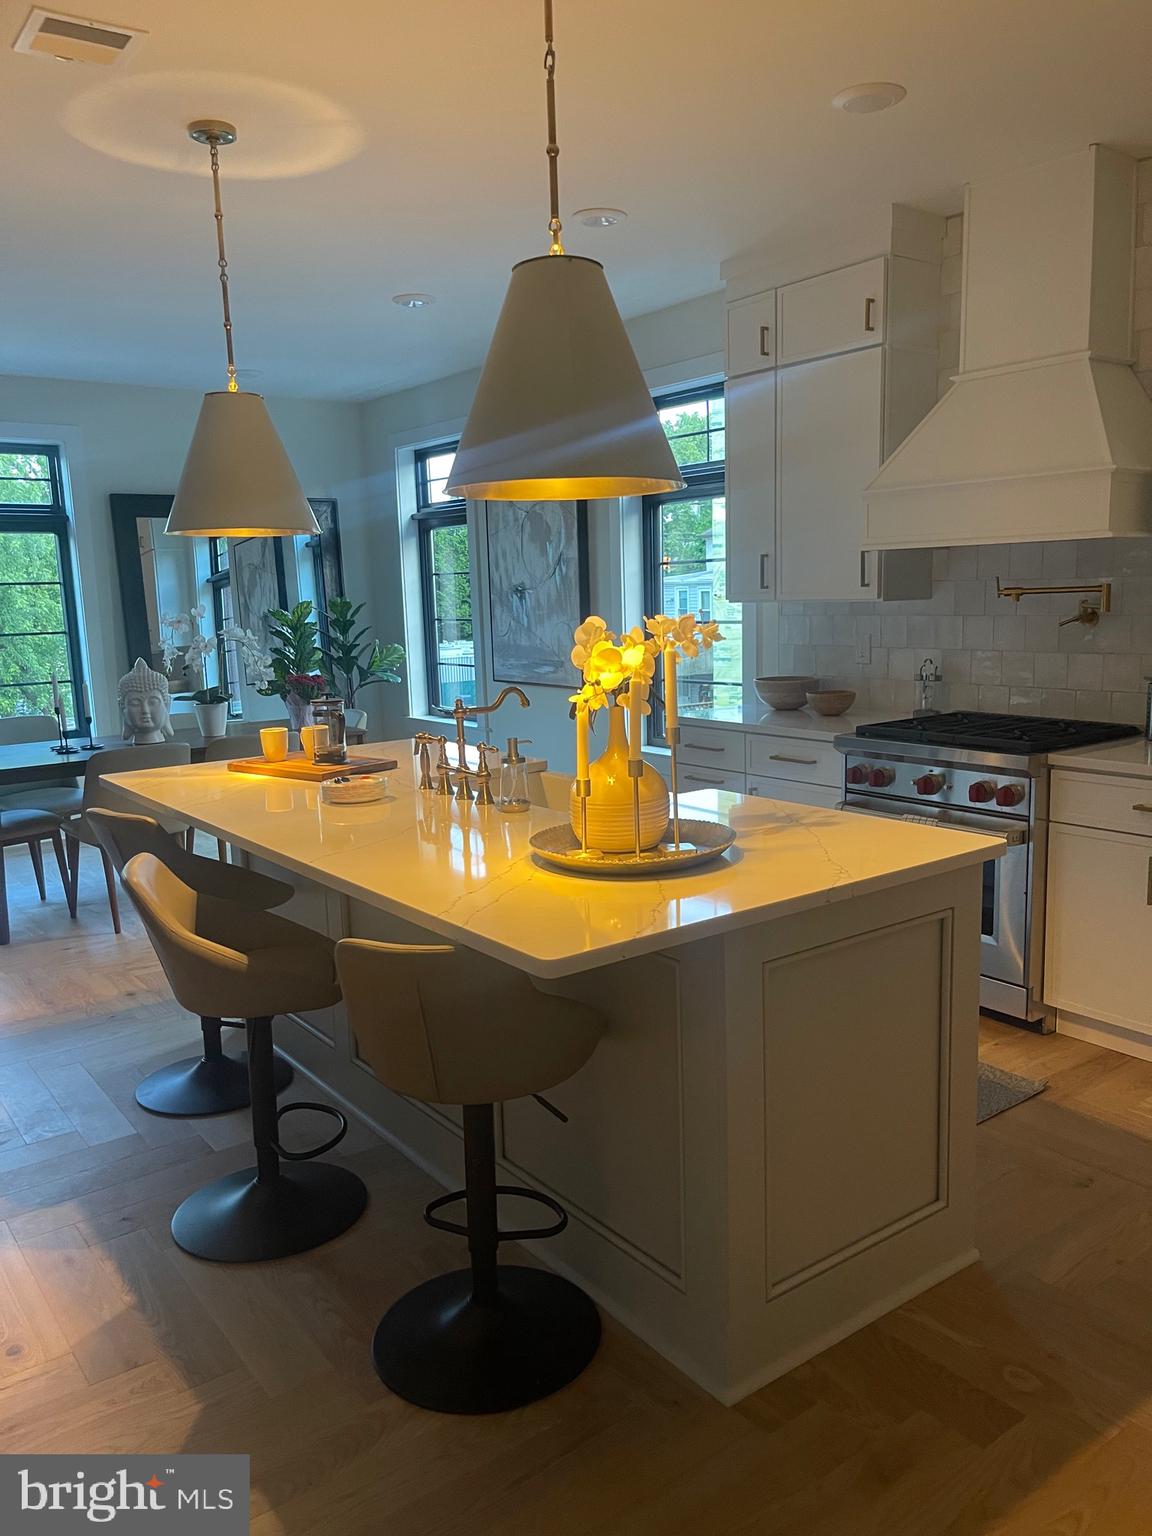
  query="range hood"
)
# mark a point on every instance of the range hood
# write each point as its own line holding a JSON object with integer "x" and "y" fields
{"x": 1046, "y": 432}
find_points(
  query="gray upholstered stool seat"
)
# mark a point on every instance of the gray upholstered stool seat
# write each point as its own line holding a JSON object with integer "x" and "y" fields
{"x": 224, "y": 960}
{"x": 32, "y": 827}
{"x": 450, "y": 1026}
{"x": 214, "y": 1082}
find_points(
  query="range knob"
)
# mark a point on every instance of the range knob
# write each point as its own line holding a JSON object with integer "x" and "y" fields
{"x": 1010, "y": 794}
{"x": 981, "y": 792}
{"x": 929, "y": 783}
{"x": 857, "y": 774}
{"x": 880, "y": 778}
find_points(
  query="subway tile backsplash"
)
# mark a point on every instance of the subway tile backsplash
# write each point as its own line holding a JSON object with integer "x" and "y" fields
{"x": 994, "y": 654}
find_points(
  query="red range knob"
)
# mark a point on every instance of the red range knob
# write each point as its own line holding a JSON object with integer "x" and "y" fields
{"x": 880, "y": 778}
{"x": 857, "y": 774}
{"x": 1010, "y": 794}
{"x": 929, "y": 783}
{"x": 981, "y": 792}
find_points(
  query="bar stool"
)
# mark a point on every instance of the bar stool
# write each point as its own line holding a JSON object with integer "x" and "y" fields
{"x": 78, "y": 832}
{"x": 449, "y": 1026}
{"x": 212, "y": 1083}
{"x": 226, "y": 960}
{"x": 32, "y": 827}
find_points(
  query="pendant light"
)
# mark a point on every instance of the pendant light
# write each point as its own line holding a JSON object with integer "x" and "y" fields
{"x": 562, "y": 410}
{"x": 238, "y": 480}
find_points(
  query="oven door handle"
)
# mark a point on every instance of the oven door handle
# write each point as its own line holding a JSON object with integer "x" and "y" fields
{"x": 1014, "y": 834}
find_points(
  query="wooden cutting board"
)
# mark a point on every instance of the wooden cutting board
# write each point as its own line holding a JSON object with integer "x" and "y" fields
{"x": 297, "y": 766}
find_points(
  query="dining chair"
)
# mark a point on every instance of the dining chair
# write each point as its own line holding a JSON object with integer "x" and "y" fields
{"x": 78, "y": 833}
{"x": 32, "y": 827}
{"x": 60, "y": 798}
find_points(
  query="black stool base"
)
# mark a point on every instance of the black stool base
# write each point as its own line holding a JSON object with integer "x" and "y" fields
{"x": 439, "y": 1349}
{"x": 204, "y": 1086}
{"x": 237, "y": 1220}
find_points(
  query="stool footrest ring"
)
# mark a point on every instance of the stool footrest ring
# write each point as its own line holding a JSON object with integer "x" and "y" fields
{"x": 324, "y": 1146}
{"x": 512, "y": 1235}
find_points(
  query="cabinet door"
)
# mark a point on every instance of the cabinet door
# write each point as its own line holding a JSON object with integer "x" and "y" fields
{"x": 752, "y": 334}
{"x": 829, "y": 445}
{"x": 692, "y": 776}
{"x": 750, "y": 487}
{"x": 1099, "y": 925}
{"x": 837, "y": 312}
{"x": 794, "y": 791}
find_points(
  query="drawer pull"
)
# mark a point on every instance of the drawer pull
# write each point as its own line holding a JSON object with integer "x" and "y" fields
{"x": 765, "y": 341}
{"x": 700, "y": 746}
{"x": 695, "y": 778}
{"x": 869, "y": 306}
{"x": 1140, "y": 807}
{"x": 782, "y": 757}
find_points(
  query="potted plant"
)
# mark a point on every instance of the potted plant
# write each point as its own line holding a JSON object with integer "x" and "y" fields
{"x": 211, "y": 702}
{"x": 353, "y": 658}
{"x": 295, "y": 657}
{"x": 211, "y": 710}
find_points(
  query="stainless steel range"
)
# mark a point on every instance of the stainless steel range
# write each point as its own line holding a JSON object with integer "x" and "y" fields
{"x": 979, "y": 773}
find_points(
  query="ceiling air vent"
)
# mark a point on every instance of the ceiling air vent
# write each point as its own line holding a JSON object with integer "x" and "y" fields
{"x": 75, "y": 40}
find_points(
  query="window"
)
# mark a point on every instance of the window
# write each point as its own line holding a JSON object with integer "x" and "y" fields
{"x": 445, "y": 582}
{"x": 39, "y": 636}
{"x": 223, "y": 614}
{"x": 684, "y": 552}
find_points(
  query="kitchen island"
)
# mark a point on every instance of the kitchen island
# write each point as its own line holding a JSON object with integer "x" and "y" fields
{"x": 773, "y": 1143}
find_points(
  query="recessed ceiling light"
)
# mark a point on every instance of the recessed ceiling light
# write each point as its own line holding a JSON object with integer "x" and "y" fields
{"x": 600, "y": 218}
{"x": 873, "y": 96}
{"x": 413, "y": 300}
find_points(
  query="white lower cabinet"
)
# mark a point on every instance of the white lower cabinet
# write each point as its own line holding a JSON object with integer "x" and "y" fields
{"x": 1098, "y": 951}
{"x": 692, "y": 776}
{"x": 795, "y": 791}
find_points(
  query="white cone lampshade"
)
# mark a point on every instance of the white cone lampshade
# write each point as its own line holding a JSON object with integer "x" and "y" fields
{"x": 237, "y": 477}
{"x": 562, "y": 410}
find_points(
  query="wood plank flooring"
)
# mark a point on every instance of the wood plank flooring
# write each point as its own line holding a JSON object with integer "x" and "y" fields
{"x": 1014, "y": 1400}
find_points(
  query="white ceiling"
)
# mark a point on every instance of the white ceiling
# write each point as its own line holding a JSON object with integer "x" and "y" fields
{"x": 420, "y": 129}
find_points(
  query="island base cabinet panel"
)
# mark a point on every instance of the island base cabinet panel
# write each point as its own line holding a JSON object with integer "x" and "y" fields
{"x": 1099, "y": 926}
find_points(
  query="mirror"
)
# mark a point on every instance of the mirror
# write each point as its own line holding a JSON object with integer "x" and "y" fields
{"x": 235, "y": 580}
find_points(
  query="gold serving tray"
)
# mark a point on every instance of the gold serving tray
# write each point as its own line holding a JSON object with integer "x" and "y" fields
{"x": 297, "y": 766}
{"x": 700, "y": 841}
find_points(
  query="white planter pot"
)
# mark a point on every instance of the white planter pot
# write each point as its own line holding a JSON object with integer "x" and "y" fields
{"x": 212, "y": 720}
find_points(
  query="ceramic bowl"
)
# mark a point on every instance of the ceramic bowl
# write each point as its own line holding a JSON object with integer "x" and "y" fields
{"x": 784, "y": 692}
{"x": 832, "y": 701}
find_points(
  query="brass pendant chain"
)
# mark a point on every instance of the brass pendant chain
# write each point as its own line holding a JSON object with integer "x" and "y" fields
{"x": 557, "y": 246}
{"x": 214, "y": 149}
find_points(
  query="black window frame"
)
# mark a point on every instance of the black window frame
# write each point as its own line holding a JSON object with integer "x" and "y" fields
{"x": 429, "y": 516}
{"x": 704, "y": 479}
{"x": 227, "y": 666}
{"x": 18, "y": 517}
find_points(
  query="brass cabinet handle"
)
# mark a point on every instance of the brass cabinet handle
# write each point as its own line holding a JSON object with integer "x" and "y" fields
{"x": 765, "y": 571}
{"x": 695, "y": 778}
{"x": 1139, "y": 807}
{"x": 765, "y": 341}
{"x": 782, "y": 757}
{"x": 869, "y": 305}
{"x": 700, "y": 746}
{"x": 1148, "y": 901}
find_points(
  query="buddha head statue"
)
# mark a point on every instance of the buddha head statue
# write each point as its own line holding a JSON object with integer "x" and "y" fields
{"x": 144, "y": 704}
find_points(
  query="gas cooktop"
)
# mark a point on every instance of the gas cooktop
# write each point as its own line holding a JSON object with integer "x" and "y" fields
{"x": 1021, "y": 734}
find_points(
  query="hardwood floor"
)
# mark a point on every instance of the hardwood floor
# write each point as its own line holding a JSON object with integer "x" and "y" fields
{"x": 1016, "y": 1398}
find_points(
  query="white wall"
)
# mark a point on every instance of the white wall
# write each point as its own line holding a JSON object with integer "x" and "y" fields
{"x": 676, "y": 345}
{"x": 120, "y": 438}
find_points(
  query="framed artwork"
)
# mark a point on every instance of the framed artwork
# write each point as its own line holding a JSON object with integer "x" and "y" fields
{"x": 537, "y": 588}
{"x": 329, "y": 562}
{"x": 256, "y": 566}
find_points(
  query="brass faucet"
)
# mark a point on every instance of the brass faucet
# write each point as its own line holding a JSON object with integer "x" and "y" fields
{"x": 1087, "y": 613}
{"x": 461, "y": 711}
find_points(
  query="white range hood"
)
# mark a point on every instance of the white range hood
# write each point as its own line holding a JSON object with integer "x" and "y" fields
{"x": 1046, "y": 432}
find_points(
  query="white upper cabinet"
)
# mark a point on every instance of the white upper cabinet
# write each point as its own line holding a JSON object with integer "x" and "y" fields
{"x": 836, "y": 312}
{"x": 751, "y": 340}
{"x": 750, "y": 486}
{"x": 828, "y": 435}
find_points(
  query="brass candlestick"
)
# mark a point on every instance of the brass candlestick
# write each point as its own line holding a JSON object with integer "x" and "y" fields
{"x": 583, "y": 789}
{"x": 673, "y": 734}
{"x": 636, "y": 773}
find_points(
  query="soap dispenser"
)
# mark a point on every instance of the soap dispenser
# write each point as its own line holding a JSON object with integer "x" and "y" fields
{"x": 513, "y": 794}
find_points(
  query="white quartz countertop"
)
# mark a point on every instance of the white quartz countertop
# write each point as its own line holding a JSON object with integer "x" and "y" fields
{"x": 758, "y": 718}
{"x": 467, "y": 872}
{"x": 1132, "y": 756}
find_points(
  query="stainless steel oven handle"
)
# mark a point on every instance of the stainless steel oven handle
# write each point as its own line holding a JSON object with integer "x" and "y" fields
{"x": 1014, "y": 834}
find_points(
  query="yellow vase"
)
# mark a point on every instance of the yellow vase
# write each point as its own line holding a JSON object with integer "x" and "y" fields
{"x": 611, "y": 826}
